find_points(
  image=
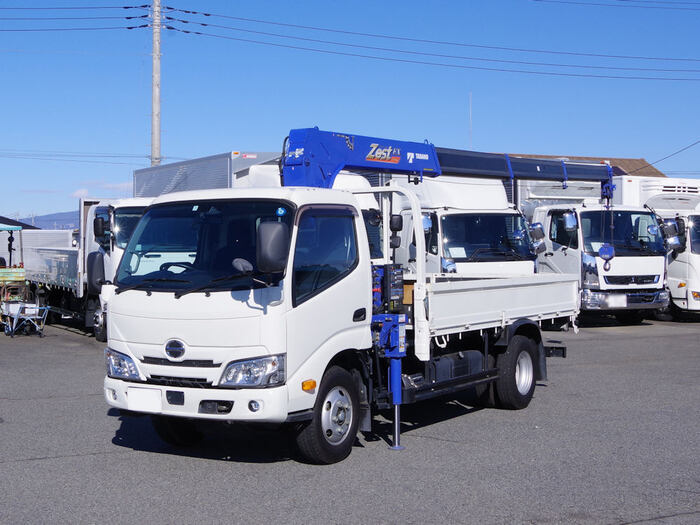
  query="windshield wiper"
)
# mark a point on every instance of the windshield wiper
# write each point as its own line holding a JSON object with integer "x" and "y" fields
{"x": 213, "y": 282}
{"x": 153, "y": 280}
{"x": 494, "y": 251}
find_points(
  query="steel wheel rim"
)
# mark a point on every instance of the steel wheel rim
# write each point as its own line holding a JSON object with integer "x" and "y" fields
{"x": 336, "y": 415}
{"x": 524, "y": 373}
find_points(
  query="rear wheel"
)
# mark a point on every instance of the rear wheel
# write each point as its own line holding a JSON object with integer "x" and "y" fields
{"x": 630, "y": 317}
{"x": 515, "y": 385}
{"x": 176, "y": 431}
{"x": 329, "y": 437}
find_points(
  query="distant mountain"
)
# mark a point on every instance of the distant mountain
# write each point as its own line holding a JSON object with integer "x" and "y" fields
{"x": 67, "y": 220}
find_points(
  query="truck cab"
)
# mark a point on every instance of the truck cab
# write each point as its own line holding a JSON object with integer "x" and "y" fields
{"x": 626, "y": 286}
{"x": 110, "y": 225}
{"x": 674, "y": 200}
{"x": 469, "y": 227}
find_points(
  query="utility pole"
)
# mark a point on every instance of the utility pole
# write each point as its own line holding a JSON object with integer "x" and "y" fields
{"x": 155, "y": 99}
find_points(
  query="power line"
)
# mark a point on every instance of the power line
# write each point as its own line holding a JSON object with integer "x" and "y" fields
{"x": 666, "y": 157}
{"x": 52, "y": 18}
{"x": 49, "y": 29}
{"x": 600, "y": 4}
{"x": 437, "y": 55}
{"x": 427, "y": 41}
{"x": 144, "y": 6}
{"x": 422, "y": 62}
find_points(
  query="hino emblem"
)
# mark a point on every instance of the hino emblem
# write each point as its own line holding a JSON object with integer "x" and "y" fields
{"x": 174, "y": 349}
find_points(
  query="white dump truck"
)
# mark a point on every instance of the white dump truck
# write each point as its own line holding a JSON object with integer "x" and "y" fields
{"x": 582, "y": 226}
{"x": 675, "y": 200}
{"x": 298, "y": 304}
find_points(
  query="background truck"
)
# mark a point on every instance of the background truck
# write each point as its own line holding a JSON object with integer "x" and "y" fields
{"x": 672, "y": 199}
{"x": 580, "y": 224}
{"x": 267, "y": 305}
{"x": 66, "y": 268}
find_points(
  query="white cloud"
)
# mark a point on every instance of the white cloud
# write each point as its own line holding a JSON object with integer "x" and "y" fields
{"x": 80, "y": 193}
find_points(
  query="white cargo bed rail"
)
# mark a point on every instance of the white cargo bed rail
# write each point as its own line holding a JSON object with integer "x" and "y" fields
{"x": 458, "y": 304}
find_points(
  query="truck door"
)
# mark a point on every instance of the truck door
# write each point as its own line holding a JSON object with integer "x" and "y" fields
{"x": 104, "y": 242}
{"x": 331, "y": 285}
{"x": 562, "y": 254}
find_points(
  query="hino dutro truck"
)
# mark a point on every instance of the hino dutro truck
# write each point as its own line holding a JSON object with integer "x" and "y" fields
{"x": 67, "y": 268}
{"x": 677, "y": 202}
{"x": 301, "y": 303}
{"x": 582, "y": 224}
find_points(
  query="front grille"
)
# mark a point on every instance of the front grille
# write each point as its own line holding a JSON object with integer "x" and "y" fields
{"x": 193, "y": 363}
{"x": 631, "y": 279}
{"x": 182, "y": 382}
{"x": 641, "y": 298}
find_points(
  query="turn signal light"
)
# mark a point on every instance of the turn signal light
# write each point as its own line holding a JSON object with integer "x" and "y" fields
{"x": 308, "y": 385}
{"x": 696, "y": 296}
{"x": 681, "y": 284}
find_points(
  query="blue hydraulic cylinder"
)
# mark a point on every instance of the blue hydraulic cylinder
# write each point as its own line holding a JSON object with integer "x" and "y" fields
{"x": 392, "y": 340}
{"x": 313, "y": 157}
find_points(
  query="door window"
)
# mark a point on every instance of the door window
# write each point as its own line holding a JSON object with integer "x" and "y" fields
{"x": 325, "y": 252}
{"x": 104, "y": 241}
{"x": 558, "y": 233}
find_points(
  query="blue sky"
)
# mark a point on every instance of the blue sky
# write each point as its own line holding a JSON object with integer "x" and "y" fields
{"x": 89, "y": 92}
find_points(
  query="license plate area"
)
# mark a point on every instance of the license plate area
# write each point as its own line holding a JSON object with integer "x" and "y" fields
{"x": 144, "y": 399}
{"x": 617, "y": 301}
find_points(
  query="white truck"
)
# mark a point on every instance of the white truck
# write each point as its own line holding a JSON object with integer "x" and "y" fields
{"x": 269, "y": 304}
{"x": 674, "y": 200}
{"x": 67, "y": 268}
{"x": 582, "y": 226}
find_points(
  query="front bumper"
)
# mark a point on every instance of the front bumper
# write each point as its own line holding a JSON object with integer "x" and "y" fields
{"x": 192, "y": 402}
{"x": 616, "y": 300}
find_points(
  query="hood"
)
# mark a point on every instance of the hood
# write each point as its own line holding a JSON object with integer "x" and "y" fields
{"x": 496, "y": 268}
{"x": 224, "y": 319}
{"x": 623, "y": 269}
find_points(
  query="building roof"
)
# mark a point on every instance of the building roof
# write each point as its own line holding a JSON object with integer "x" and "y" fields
{"x": 637, "y": 167}
{"x": 11, "y": 222}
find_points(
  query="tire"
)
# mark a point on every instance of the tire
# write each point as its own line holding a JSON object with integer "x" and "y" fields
{"x": 176, "y": 431}
{"x": 330, "y": 435}
{"x": 515, "y": 385}
{"x": 633, "y": 317}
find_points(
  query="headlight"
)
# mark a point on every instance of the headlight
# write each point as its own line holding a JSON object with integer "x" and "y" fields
{"x": 120, "y": 366}
{"x": 260, "y": 372}
{"x": 696, "y": 295}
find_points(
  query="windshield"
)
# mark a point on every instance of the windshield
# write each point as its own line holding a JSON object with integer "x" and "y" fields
{"x": 694, "y": 233}
{"x": 183, "y": 246}
{"x": 125, "y": 220}
{"x": 485, "y": 237}
{"x": 633, "y": 232}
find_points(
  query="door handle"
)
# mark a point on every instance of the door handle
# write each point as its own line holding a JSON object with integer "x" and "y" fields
{"x": 359, "y": 315}
{"x": 548, "y": 254}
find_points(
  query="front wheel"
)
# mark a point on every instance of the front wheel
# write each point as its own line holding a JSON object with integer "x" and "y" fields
{"x": 329, "y": 437}
{"x": 176, "y": 431}
{"x": 100, "y": 327}
{"x": 515, "y": 385}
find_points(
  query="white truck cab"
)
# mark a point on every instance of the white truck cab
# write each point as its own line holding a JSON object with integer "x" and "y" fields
{"x": 112, "y": 221}
{"x": 634, "y": 281}
{"x": 470, "y": 228}
{"x": 672, "y": 199}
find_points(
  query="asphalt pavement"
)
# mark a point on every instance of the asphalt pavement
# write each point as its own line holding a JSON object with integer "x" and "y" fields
{"x": 612, "y": 437}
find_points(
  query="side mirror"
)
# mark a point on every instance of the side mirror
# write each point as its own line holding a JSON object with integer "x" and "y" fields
{"x": 98, "y": 227}
{"x": 95, "y": 272}
{"x": 670, "y": 228}
{"x": 673, "y": 243}
{"x": 272, "y": 247}
{"x": 394, "y": 242}
{"x": 448, "y": 265}
{"x": 537, "y": 231}
{"x": 570, "y": 221}
{"x": 396, "y": 223}
{"x": 539, "y": 246}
